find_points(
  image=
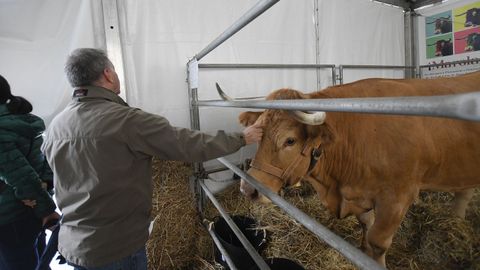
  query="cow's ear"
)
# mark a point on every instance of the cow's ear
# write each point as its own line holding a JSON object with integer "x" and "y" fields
{"x": 320, "y": 132}
{"x": 248, "y": 118}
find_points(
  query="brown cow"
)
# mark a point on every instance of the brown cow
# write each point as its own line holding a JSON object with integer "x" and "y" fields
{"x": 370, "y": 166}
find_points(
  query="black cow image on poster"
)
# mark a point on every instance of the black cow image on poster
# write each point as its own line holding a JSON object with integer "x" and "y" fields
{"x": 442, "y": 25}
{"x": 443, "y": 47}
{"x": 473, "y": 42}
{"x": 472, "y": 17}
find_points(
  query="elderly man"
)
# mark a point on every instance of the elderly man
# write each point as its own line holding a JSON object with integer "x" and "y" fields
{"x": 100, "y": 150}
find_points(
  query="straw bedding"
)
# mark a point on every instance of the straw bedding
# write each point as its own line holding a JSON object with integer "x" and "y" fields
{"x": 429, "y": 237}
{"x": 172, "y": 241}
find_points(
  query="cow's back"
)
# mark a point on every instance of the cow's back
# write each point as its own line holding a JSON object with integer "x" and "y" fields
{"x": 406, "y": 87}
{"x": 428, "y": 152}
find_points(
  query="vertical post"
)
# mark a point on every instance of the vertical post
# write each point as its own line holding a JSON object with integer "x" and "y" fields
{"x": 334, "y": 75}
{"x": 192, "y": 80}
{"x": 415, "y": 48}
{"x": 113, "y": 43}
{"x": 317, "y": 43}
{"x": 340, "y": 74}
{"x": 409, "y": 37}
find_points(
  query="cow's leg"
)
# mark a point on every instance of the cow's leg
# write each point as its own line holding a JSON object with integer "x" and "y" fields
{"x": 460, "y": 204}
{"x": 366, "y": 220}
{"x": 389, "y": 214}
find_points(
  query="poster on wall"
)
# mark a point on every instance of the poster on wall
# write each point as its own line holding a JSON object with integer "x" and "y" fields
{"x": 452, "y": 41}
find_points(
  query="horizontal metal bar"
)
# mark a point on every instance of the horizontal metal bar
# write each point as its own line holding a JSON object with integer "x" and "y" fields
{"x": 242, "y": 98}
{"x": 423, "y": 3}
{"x": 253, "y": 66}
{"x": 249, "y": 16}
{"x": 220, "y": 247}
{"x": 375, "y": 67}
{"x": 215, "y": 170}
{"x": 248, "y": 246}
{"x": 398, "y": 3}
{"x": 461, "y": 106}
{"x": 353, "y": 254}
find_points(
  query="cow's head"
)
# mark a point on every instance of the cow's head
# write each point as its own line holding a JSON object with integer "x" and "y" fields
{"x": 473, "y": 42}
{"x": 472, "y": 17}
{"x": 443, "y": 47}
{"x": 438, "y": 26}
{"x": 290, "y": 146}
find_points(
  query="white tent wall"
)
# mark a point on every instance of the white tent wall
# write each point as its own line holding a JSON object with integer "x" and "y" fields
{"x": 362, "y": 33}
{"x": 159, "y": 37}
{"x": 35, "y": 39}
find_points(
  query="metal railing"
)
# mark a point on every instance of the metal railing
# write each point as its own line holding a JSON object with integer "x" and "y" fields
{"x": 460, "y": 106}
{"x": 248, "y": 17}
{"x": 443, "y": 106}
{"x": 357, "y": 257}
{"x": 332, "y": 68}
{"x": 248, "y": 246}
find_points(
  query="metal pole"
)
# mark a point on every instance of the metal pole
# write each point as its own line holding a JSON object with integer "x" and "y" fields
{"x": 249, "y": 16}
{"x": 340, "y": 74}
{"x": 464, "y": 106}
{"x": 192, "y": 80}
{"x": 334, "y": 76}
{"x": 248, "y": 246}
{"x": 113, "y": 43}
{"x": 317, "y": 40}
{"x": 376, "y": 67}
{"x": 220, "y": 247}
{"x": 353, "y": 254}
{"x": 408, "y": 38}
{"x": 272, "y": 66}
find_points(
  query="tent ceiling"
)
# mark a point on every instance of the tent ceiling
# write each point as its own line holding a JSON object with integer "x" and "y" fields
{"x": 410, "y": 4}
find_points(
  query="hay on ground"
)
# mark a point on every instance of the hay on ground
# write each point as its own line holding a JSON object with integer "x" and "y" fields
{"x": 172, "y": 241}
{"x": 429, "y": 237}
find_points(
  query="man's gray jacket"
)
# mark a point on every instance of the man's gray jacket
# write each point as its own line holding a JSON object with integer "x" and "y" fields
{"x": 100, "y": 151}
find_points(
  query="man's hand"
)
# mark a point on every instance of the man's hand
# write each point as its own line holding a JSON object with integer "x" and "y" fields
{"x": 52, "y": 218}
{"x": 253, "y": 133}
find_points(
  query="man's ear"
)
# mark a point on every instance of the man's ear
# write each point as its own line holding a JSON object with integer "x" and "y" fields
{"x": 109, "y": 75}
{"x": 248, "y": 118}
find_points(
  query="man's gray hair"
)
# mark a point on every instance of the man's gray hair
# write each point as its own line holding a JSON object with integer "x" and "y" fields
{"x": 85, "y": 66}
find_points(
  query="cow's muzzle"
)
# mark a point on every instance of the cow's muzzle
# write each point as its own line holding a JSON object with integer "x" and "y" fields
{"x": 247, "y": 190}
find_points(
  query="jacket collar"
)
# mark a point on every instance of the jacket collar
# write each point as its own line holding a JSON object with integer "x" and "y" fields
{"x": 85, "y": 93}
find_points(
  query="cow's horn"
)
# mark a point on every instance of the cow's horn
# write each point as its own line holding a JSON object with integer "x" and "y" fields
{"x": 309, "y": 118}
{"x": 222, "y": 94}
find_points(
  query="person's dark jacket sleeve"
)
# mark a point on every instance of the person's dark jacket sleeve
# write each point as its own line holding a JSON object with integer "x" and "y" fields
{"x": 153, "y": 135}
{"x": 26, "y": 183}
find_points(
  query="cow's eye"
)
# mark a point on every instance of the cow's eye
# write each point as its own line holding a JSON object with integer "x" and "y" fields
{"x": 290, "y": 142}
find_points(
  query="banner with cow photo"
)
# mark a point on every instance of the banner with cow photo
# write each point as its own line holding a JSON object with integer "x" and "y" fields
{"x": 449, "y": 38}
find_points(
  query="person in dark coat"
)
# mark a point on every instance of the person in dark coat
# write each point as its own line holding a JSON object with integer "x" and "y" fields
{"x": 25, "y": 206}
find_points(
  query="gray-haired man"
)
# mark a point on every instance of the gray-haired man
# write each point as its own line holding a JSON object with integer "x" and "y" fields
{"x": 100, "y": 150}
